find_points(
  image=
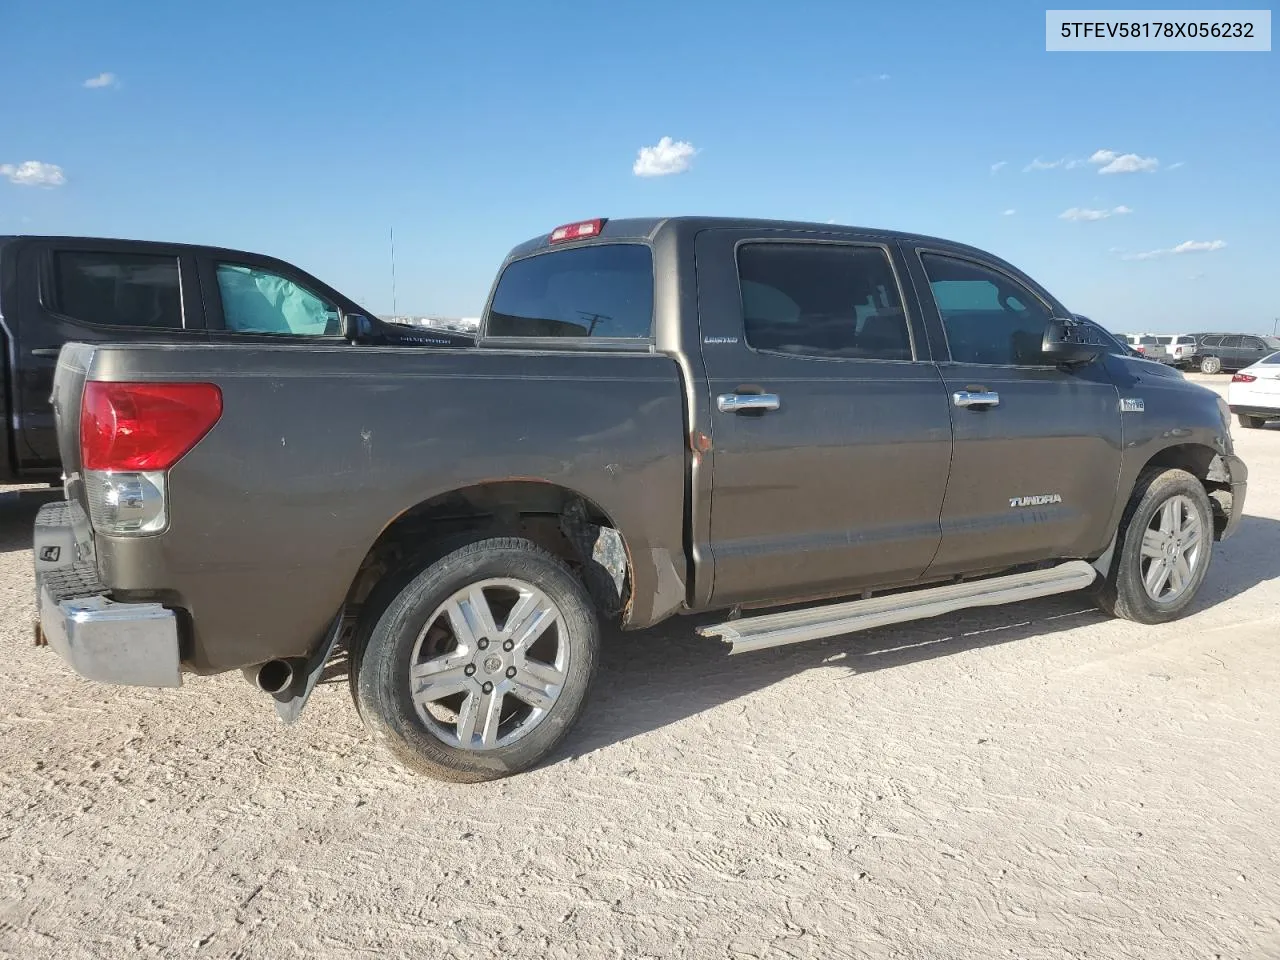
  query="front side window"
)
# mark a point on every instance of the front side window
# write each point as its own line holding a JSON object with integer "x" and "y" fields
{"x": 598, "y": 291}
{"x": 1212, "y": 341}
{"x": 260, "y": 301}
{"x": 822, "y": 300}
{"x": 988, "y": 317}
{"x": 118, "y": 289}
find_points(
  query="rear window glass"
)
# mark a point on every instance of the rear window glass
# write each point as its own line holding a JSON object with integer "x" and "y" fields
{"x": 1164, "y": 340}
{"x": 1149, "y": 341}
{"x": 597, "y": 291}
{"x": 118, "y": 289}
{"x": 1274, "y": 358}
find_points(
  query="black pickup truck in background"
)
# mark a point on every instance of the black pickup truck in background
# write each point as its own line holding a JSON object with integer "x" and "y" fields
{"x": 56, "y": 289}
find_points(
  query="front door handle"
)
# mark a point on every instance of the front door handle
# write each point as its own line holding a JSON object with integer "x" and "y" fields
{"x": 738, "y": 402}
{"x": 976, "y": 398}
{"x": 45, "y": 351}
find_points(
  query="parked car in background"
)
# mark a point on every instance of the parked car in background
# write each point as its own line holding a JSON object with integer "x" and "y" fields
{"x": 1254, "y": 393}
{"x": 55, "y": 289}
{"x": 1230, "y": 352}
{"x": 1178, "y": 349}
{"x": 1144, "y": 344}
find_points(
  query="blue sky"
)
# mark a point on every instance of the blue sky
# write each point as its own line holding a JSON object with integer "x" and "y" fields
{"x": 307, "y": 131}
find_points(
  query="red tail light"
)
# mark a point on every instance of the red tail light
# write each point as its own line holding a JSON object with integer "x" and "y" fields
{"x": 577, "y": 231}
{"x": 144, "y": 426}
{"x": 1243, "y": 378}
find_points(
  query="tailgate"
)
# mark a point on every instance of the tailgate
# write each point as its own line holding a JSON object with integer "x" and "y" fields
{"x": 68, "y": 391}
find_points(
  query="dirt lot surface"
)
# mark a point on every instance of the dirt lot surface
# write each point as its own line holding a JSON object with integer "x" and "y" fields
{"x": 1033, "y": 781}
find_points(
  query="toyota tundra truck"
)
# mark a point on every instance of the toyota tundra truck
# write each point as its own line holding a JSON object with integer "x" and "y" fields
{"x": 814, "y": 429}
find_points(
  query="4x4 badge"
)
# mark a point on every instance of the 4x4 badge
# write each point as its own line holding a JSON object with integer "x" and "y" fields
{"x": 1132, "y": 405}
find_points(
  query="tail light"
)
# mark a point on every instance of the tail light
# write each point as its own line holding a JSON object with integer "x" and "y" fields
{"x": 1243, "y": 378}
{"x": 130, "y": 434}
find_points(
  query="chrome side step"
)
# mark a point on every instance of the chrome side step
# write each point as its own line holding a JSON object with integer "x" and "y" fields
{"x": 813, "y": 623}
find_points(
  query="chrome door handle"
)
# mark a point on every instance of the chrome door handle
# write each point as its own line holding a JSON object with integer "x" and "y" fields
{"x": 737, "y": 402}
{"x": 976, "y": 398}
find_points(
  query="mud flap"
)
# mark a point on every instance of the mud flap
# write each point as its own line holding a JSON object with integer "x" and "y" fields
{"x": 290, "y": 702}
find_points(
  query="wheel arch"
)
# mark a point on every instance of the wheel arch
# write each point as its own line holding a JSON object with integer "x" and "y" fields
{"x": 1205, "y": 464}
{"x": 562, "y": 520}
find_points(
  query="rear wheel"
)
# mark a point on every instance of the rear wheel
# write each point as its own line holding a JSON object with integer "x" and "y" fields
{"x": 480, "y": 665}
{"x": 1211, "y": 365}
{"x": 1252, "y": 423}
{"x": 1165, "y": 545}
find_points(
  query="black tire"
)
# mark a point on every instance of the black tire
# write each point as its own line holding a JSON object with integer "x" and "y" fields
{"x": 1251, "y": 423}
{"x": 1210, "y": 365}
{"x": 1123, "y": 592}
{"x": 381, "y": 658}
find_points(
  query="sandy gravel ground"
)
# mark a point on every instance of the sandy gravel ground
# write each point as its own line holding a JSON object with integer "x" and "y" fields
{"x": 1034, "y": 781}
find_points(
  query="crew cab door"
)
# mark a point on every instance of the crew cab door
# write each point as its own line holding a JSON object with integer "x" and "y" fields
{"x": 1037, "y": 446}
{"x": 830, "y": 431}
{"x": 93, "y": 291}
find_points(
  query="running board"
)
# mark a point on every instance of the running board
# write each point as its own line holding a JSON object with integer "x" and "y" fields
{"x": 814, "y": 623}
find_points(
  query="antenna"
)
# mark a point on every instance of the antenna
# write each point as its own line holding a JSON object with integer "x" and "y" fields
{"x": 394, "y": 311}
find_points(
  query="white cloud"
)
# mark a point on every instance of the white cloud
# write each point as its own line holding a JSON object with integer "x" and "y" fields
{"x": 1038, "y": 164}
{"x": 1086, "y": 214}
{"x": 1009, "y": 213}
{"x": 999, "y": 165}
{"x": 882, "y": 76}
{"x": 1175, "y": 166}
{"x": 1187, "y": 246}
{"x": 1109, "y": 161}
{"x": 666, "y": 157}
{"x": 33, "y": 173}
{"x": 102, "y": 80}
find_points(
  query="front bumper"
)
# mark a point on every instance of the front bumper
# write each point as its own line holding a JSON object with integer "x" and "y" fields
{"x": 134, "y": 644}
{"x": 1238, "y": 480}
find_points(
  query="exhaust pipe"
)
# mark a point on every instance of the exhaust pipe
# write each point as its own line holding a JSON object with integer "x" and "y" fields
{"x": 273, "y": 677}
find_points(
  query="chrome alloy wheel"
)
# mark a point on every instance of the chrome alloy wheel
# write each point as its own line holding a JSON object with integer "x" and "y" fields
{"x": 489, "y": 664}
{"x": 1173, "y": 546}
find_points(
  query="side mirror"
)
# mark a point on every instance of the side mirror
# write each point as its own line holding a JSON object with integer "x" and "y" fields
{"x": 1068, "y": 341}
{"x": 354, "y": 326}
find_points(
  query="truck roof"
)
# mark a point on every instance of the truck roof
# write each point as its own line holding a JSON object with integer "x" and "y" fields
{"x": 166, "y": 244}
{"x": 647, "y": 229}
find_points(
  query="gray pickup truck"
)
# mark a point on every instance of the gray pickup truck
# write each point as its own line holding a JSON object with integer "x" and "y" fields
{"x": 816, "y": 429}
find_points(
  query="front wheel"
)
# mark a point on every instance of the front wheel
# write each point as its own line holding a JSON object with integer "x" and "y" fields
{"x": 1211, "y": 365}
{"x": 481, "y": 664}
{"x": 1251, "y": 423}
{"x": 1166, "y": 542}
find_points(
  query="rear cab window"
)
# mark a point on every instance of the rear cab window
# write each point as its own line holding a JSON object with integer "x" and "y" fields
{"x": 117, "y": 289}
{"x": 603, "y": 292}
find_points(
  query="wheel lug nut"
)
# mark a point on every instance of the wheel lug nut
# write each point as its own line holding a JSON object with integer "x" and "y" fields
{"x": 483, "y": 644}
{"x": 511, "y": 671}
{"x": 508, "y": 646}
{"x": 469, "y": 669}
{"x": 488, "y": 687}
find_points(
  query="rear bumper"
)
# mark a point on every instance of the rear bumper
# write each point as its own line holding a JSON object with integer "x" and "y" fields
{"x": 133, "y": 644}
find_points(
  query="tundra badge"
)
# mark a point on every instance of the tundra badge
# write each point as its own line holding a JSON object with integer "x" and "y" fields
{"x": 1038, "y": 500}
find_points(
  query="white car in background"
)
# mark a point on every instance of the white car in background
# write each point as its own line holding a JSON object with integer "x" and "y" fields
{"x": 1254, "y": 392}
{"x": 1178, "y": 349}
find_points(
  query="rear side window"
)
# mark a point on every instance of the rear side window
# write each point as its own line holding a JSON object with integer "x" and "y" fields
{"x": 1230, "y": 343}
{"x": 822, "y": 300}
{"x": 598, "y": 291}
{"x": 118, "y": 289}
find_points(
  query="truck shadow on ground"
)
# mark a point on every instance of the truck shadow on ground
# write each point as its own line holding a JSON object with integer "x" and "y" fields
{"x": 653, "y": 678}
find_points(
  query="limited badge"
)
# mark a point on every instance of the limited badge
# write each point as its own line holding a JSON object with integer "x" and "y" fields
{"x": 1132, "y": 405}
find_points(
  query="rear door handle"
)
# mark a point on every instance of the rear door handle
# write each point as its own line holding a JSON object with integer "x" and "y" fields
{"x": 738, "y": 402}
{"x": 976, "y": 398}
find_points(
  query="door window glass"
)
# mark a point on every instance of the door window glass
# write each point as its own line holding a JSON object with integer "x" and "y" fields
{"x": 1231, "y": 343}
{"x": 118, "y": 289}
{"x": 989, "y": 318}
{"x": 260, "y": 301}
{"x": 822, "y": 300}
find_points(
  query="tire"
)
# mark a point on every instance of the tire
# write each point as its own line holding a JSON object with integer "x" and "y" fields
{"x": 1251, "y": 423}
{"x": 1125, "y": 593}
{"x": 470, "y": 721}
{"x": 1210, "y": 365}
